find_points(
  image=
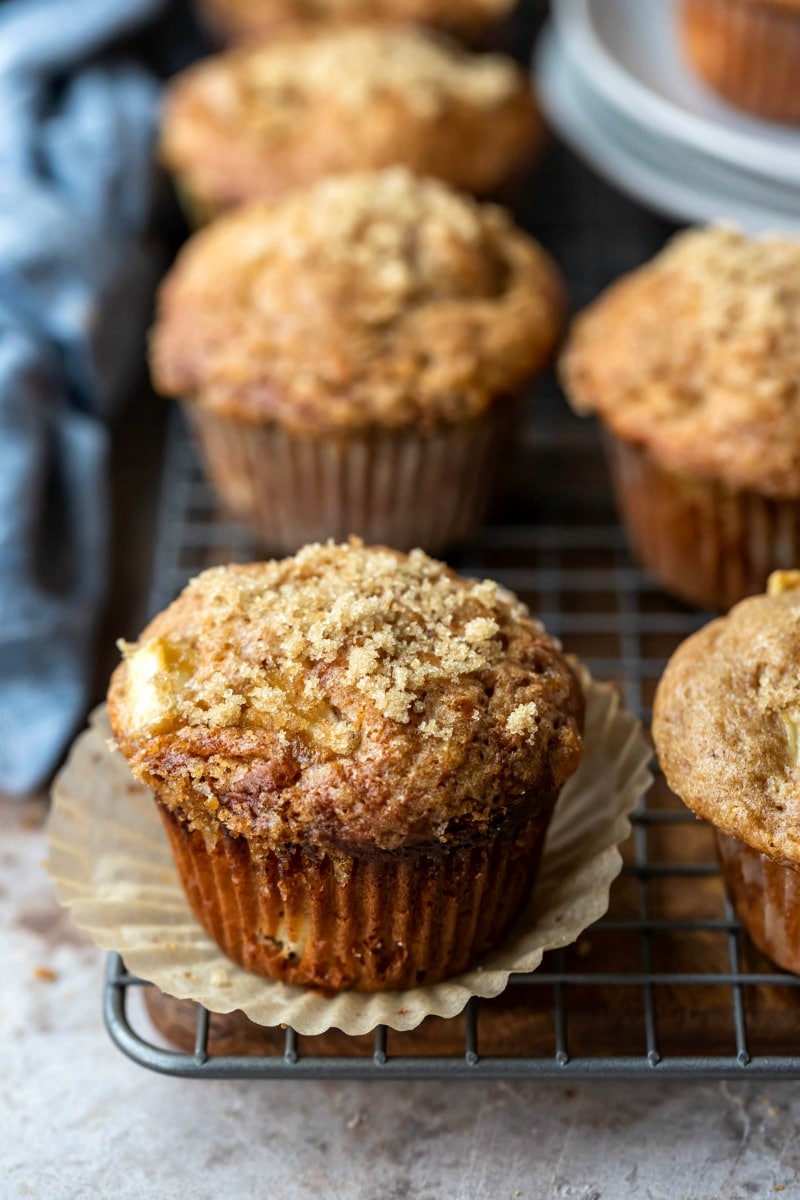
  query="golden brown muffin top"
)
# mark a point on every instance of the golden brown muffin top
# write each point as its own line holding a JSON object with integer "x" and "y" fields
{"x": 346, "y": 695}
{"x": 792, "y": 5}
{"x": 697, "y": 357}
{"x": 727, "y": 721}
{"x": 367, "y": 300}
{"x": 241, "y": 20}
{"x": 254, "y": 124}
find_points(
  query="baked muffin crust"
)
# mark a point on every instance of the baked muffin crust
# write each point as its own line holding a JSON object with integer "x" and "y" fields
{"x": 696, "y": 356}
{"x": 239, "y": 20}
{"x": 347, "y": 697}
{"x": 369, "y": 300}
{"x": 254, "y": 124}
{"x": 727, "y": 721}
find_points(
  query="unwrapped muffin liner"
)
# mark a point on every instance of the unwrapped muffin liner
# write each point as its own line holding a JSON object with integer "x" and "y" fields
{"x": 748, "y": 52}
{"x": 112, "y": 865}
{"x": 766, "y": 896}
{"x": 705, "y": 542}
{"x": 394, "y": 488}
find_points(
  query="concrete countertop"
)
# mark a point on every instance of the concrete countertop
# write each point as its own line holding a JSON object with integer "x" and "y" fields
{"x": 78, "y": 1121}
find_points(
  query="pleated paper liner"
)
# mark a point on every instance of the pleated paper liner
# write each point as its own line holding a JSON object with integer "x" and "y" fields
{"x": 111, "y": 863}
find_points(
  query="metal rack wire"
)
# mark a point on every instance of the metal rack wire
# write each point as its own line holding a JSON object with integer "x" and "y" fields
{"x": 578, "y": 576}
{"x": 667, "y": 984}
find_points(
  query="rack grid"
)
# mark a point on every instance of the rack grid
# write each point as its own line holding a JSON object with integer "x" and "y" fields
{"x": 666, "y": 984}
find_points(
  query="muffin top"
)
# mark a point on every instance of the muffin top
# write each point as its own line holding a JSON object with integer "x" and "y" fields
{"x": 256, "y": 123}
{"x": 347, "y": 696}
{"x": 793, "y": 5}
{"x": 727, "y": 721}
{"x": 696, "y": 356}
{"x": 241, "y": 20}
{"x": 367, "y": 300}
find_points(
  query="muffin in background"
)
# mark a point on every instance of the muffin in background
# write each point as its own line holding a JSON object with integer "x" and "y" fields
{"x": 748, "y": 51}
{"x": 726, "y": 725}
{"x": 692, "y": 364}
{"x": 356, "y": 755}
{"x": 232, "y": 21}
{"x": 256, "y": 123}
{"x": 350, "y": 356}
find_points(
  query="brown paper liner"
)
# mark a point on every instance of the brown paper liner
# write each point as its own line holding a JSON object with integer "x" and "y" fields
{"x": 399, "y": 489}
{"x": 371, "y": 923}
{"x": 748, "y": 52}
{"x": 766, "y": 897}
{"x": 704, "y": 542}
{"x": 112, "y": 866}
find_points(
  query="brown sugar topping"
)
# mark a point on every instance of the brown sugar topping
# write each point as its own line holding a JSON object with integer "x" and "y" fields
{"x": 395, "y": 628}
{"x": 697, "y": 356}
{"x": 368, "y": 299}
{"x": 343, "y": 675}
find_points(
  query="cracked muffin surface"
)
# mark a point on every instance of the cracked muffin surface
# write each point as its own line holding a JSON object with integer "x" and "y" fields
{"x": 347, "y": 696}
{"x": 696, "y": 357}
{"x": 727, "y": 721}
{"x": 368, "y": 300}
{"x": 257, "y": 123}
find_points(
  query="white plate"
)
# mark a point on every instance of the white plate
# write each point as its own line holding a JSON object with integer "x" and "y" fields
{"x": 628, "y": 50}
{"x": 683, "y": 186}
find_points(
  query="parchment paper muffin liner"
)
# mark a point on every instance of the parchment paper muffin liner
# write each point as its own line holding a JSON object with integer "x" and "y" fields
{"x": 766, "y": 896}
{"x": 394, "y": 488}
{"x": 111, "y": 863}
{"x": 705, "y": 542}
{"x": 748, "y": 52}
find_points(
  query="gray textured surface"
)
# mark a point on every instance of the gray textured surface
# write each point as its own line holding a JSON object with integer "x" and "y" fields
{"x": 77, "y": 1120}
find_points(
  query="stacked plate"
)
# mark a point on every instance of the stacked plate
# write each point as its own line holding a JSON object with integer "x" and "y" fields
{"x": 614, "y": 83}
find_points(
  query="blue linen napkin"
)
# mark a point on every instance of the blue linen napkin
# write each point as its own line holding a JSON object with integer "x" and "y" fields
{"x": 76, "y": 135}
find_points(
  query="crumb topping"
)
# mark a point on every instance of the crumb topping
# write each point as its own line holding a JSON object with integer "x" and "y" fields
{"x": 727, "y": 721}
{"x": 272, "y": 86}
{"x": 697, "y": 355}
{"x": 349, "y": 685}
{"x": 523, "y": 719}
{"x": 257, "y": 124}
{"x": 422, "y": 304}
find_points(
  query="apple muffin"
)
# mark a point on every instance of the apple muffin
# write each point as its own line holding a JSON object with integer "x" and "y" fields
{"x": 748, "y": 51}
{"x": 692, "y": 365}
{"x": 265, "y": 20}
{"x": 727, "y": 730}
{"x": 350, "y": 356}
{"x": 256, "y": 123}
{"x": 356, "y": 754}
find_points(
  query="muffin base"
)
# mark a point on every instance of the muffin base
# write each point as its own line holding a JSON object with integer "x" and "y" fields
{"x": 749, "y": 53}
{"x": 369, "y": 922}
{"x": 704, "y": 542}
{"x": 766, "y": 897}
{"x": 392, "y": 488}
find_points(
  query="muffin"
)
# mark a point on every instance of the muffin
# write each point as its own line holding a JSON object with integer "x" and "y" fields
{"x": 256, "y": 123}
{"x": 356, "y": 754}
{"x": 748, "y": 51}
{"x": 692, "y": 364}
{"x": 349, "y": 356}
{"x": 263, "y": 20}
{"x": 727, "y": 730}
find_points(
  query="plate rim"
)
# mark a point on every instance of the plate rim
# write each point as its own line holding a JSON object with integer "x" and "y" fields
{"x": 626, "y": 94}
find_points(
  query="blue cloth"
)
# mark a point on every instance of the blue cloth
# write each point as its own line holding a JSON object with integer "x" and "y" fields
{"x": 76, "y": 135}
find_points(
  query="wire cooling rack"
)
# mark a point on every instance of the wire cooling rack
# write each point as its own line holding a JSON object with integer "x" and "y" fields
{"x": 667, "y": 984}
